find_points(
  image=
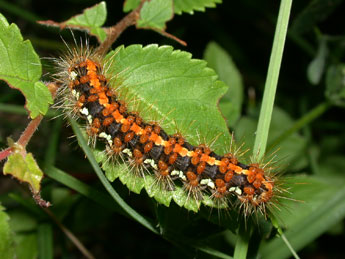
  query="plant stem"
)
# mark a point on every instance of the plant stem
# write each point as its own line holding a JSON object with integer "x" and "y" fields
{"x": 115, "y": 31}
{"x": 29, "y": 131}
{"x": 272, "y": 79}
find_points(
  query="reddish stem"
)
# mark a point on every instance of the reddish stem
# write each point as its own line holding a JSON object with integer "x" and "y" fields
{"x": 31, "y": 128}
{"x": 5, "y": 153}
{"x": 29, "y": 131}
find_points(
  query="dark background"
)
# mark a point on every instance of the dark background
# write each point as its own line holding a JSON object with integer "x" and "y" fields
{"x": 245, "y": 30}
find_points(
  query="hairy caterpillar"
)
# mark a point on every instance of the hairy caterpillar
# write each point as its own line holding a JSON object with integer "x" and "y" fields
{"x": 90, "y": 93}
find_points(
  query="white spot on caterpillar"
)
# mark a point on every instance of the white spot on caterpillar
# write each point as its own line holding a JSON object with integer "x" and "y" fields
{"x": 73, "y": 75}
{"x": 237, "y": 190}
{"x": 75, "y": 94}
{"x": 107, "y": 137}
{"x": 89, "y": 119}
{"x": 208, "y": 182}
{"x": 151, "y": 162}
{"x": 128, "y": 152}
{"x": 84, "y": 111}
{"x": 174, "y": 172}
{"x": 180, "y": 174}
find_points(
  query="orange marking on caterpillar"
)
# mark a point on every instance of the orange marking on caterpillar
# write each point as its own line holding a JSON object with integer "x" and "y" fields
{"x": 117, "y": 116}
{"x": 183, "y": 152}
{"x": 136, "y": 129}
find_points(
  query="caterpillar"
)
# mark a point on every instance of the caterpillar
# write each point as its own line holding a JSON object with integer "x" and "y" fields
{"x": 88, "y": 93}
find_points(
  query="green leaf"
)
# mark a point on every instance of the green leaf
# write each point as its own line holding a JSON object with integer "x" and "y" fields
{"x": 189, "y": 6}
{"x": 231, "y": 103}
{"x": 155, "y": 13}
{"x": 6, "y": 239}
{"x": 21, "y": 68}
{"x": 91, "y": 20}
{"x": 335, "y": 84}
{"x": 130, "y": 5}
{"x": 25, "y": 169}
{"x": 317, "y": 65}
{"x": 170, "y": 85}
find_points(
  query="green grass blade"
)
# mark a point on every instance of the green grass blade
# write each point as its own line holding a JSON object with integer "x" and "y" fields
{"x": 45, "y": 241}
{"x": 84, "y": 189}
{"x": 135, "y": 215}
{"x": 268, "y": 101}
{"x": 242, "y": 242}
{"x": 272, "y": 79}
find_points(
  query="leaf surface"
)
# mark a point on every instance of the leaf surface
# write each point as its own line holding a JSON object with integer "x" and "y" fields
{"x": 91, "y": 20}
{"x": 155, "y": 13}
{"x": 176, "y": 91}
{"x": 6, "y": 239}
{"x": 21, "y": 68}
{"x": 25, "y": 169}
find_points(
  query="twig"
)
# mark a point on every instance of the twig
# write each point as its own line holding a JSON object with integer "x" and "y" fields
{"x": 115, "y": 31}
{"x": 30, "y": 129}
{"x": 5, "y": 153}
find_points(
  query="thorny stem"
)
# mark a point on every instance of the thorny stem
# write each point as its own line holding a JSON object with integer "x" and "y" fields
{"x": 5, "y": 153}
{"x": 29, "y": 131}
{"x": 115, "y": 31}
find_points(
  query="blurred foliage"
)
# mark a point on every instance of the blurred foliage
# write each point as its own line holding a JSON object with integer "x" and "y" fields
{"x": 241, "y": 32}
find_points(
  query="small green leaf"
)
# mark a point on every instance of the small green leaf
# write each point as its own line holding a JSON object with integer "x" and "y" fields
{"x": 25, "y": 169}
{"x": 231, "y": 103}
{"x": 335, "y": 84}
{"x": 317, "y": 65}
{"x": 21, "y": 68}
{"x": 130, "y": 5}
{"x": 189, "y": 6}
{"x": 6, "y": 238}
{"x": 155, "y": 13}
{"x": 91, "y": 20}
